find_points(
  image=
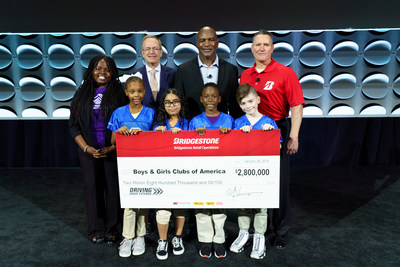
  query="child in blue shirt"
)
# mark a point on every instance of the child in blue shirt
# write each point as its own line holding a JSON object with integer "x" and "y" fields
{"x": 127, "y": 120}
{"x": 210, "y": 222}
{"x": 171, "y": 112}
{"x": 211, "y": 118}
{"x": 172, "y": 116}
{"x": 248, "y": 100}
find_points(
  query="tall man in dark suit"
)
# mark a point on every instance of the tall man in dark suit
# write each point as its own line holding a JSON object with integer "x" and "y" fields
{"x": 208, "y": 67}
{"x": 163, "y": 77}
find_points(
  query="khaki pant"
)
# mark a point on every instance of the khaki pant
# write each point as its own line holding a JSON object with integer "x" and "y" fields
{"x": 210, "y": 225}
{"x": 128, "y": 229}
{"x": 260, "y": 220}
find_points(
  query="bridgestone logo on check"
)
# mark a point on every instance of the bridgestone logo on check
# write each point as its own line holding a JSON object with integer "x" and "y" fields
{"x": 196, "y": 141}
{"x": 145, "y": 191}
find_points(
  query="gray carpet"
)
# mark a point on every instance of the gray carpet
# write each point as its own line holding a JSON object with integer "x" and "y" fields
{"x": 341, "y": 216}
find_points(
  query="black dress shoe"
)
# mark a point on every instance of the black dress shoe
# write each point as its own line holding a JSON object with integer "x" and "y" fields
{"x": 112, "y": 239}
{"x": 280, "y": 242}
{"x": 97, "y": 239}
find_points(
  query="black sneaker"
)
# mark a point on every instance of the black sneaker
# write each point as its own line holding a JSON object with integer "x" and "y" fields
{"x": 219, "y": 250}
{"x": 177, "y": 246}
{"x": 162, "y": 249}
{"x": 205, "y": 250}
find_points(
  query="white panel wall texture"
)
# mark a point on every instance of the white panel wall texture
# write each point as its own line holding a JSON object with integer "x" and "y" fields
{"x": 343, "y": 73}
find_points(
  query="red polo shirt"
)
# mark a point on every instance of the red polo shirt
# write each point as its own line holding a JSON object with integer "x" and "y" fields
{"x": 278, "y": 88}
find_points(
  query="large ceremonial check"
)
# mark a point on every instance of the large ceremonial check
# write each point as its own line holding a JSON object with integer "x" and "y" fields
{"x": 187, "y": 170}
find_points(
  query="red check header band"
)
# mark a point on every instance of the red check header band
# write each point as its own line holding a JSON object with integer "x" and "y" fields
{"x": 189, "y": 143}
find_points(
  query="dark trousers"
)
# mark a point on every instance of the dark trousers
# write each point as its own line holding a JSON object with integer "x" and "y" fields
{"x": 281, "y": 216}
{"x": 101, "y": 191}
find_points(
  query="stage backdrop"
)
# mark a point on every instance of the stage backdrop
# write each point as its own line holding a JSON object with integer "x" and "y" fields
{"x": 351, "y": 73}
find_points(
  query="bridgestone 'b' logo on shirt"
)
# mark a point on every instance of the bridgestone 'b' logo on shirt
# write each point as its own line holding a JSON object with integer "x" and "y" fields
{"x": 269, "y": 85}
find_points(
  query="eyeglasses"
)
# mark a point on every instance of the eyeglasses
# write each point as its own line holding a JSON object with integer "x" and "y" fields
{"x": 172, "y": 103}
{"x": 151, "y": 49}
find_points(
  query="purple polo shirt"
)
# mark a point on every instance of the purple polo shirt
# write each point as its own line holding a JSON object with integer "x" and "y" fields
{"x": 97, "y": 125}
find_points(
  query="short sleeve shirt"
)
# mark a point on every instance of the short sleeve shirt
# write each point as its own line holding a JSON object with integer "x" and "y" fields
{"x": 278, "y": 88}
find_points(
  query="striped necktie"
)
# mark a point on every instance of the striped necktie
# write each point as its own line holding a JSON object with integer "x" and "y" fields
{"x": 153, "y": 84}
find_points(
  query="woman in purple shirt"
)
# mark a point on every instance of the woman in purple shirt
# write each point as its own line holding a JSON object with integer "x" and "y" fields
{"x": 100, "y": 93}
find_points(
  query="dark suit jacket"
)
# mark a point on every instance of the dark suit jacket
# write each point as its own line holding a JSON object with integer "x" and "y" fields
{"x": 167, "y": 77}
{"x": 189, "y": 80}
{"x": 82, "y": 127}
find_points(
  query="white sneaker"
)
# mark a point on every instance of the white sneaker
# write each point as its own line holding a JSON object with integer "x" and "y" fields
{"x": 258, "y": 251}
{"x": 177, "y": 245}
{"x": 125, "y": 248}
{"x": 162, "y": 249}
{"x": 238, "y": 245}
{"x": 138, "y": 246}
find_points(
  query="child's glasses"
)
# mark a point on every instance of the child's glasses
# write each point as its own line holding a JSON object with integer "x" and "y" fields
{"x": 171, "y": 103}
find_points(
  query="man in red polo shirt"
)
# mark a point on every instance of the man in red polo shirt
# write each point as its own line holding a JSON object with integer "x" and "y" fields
{"x": 280, "y": 92}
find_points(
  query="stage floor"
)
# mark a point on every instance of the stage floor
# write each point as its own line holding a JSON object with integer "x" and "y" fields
{"x": 341, "y": 216}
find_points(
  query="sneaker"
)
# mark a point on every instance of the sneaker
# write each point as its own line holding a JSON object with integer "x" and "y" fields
{"x": 238, "y": 245}
{"x": 138, "y": 246}
{"x": 125, "y": 248}
{"x": 219, "y": 250}
{"x": 205, "y": 250}
{"x": 177, "y": 245}
{"x": 162, "y": 249}
{"x": 258, "y": 251}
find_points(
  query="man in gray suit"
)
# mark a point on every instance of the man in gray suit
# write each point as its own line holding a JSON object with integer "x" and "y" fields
{"x": 164, "y": 76}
